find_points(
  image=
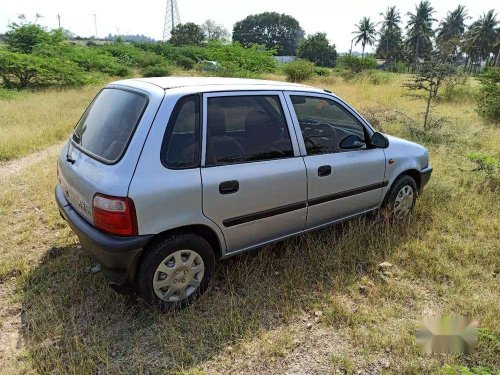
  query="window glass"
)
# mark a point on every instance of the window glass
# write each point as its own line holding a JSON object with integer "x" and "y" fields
{"x": 325, "y": 124}
{"x": 108, "y": 124}
{"x": 246, "y": 128}
{"x": 181, "y": 146}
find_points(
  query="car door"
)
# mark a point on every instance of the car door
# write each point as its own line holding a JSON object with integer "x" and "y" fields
{"x": 254, "y": 180}
{"x": 345, "y": 175}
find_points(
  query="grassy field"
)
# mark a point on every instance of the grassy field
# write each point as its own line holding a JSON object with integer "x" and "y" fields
{"x": 314, "y": 304}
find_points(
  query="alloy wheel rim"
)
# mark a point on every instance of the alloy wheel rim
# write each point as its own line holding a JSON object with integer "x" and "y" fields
{"x": 178, "y": 276}
{"x": 404, "y": 202}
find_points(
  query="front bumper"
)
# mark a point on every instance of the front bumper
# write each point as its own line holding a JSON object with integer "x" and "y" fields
{"x": 425, "y": 176}
{"x": 117, "y": 255}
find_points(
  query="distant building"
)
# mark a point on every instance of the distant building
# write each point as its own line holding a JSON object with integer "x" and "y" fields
{"x": 285, "y": 59}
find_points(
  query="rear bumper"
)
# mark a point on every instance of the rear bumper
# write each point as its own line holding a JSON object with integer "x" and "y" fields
{"x": 117, "y": 256}
{"x": 425, "y": 176}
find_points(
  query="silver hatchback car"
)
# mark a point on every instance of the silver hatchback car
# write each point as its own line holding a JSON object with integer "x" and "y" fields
{"x": 162, "y": 177}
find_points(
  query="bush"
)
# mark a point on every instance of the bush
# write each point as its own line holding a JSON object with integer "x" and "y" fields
{"x": 130, "y": 55}
{"x": 298, "y": 70}
{"x": 185, "y": 62}
{"x": 23, "y": 38}
{"x": 21, "y": 71}
{"x": 489, "y": 167}
{"x": 90, "y": 59}
{"x": 357, "y": 64}
{"x": 456, "y": 88}
{"x": 376, "y": 77}
{"x": 489, "y": 95}
{"x": 252, "y": 60}
{"x": 94, "y": 60}
{"x": 322, "y": 72}
{"x": 157, "y": 71}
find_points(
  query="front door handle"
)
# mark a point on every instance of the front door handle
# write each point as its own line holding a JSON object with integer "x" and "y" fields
{"x": 324, "y": 170}
{"x": 229, "y": 187}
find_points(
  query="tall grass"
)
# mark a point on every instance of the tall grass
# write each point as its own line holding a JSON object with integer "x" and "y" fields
{"x": 36, "y": 120}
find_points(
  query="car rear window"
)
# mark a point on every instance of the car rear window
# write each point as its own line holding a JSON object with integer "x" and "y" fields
{"x": 108, "y": 124}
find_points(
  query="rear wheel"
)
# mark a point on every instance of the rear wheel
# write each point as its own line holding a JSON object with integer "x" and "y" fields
{"x": 401, "y": 198}
{"x": 175, "y": 271}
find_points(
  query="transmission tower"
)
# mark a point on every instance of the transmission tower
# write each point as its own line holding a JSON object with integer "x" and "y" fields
{"x": 172, "y": 18}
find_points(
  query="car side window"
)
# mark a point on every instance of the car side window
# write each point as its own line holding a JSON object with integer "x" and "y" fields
{"x": 246, "y": 128}
{"x": 181, "y": 144}
{"x": 326, "y": 126}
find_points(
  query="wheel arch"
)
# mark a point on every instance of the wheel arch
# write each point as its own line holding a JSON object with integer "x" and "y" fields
{"x": 201, "y": 230}
{"x": 413, "y": 173}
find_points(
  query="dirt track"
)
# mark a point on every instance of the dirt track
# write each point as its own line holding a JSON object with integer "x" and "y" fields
{"x": 14, "y": 166}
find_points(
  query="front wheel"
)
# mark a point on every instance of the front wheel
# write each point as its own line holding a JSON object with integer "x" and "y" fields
{"x": 401, "y": 198}
{"x": 175, "y": 271}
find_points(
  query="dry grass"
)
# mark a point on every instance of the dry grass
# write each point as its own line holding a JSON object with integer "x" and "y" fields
{"x": 37, "y": 120}
{"x": 313, "y": 304}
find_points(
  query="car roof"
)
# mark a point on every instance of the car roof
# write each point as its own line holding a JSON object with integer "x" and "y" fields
{"x": 178, "y": 82}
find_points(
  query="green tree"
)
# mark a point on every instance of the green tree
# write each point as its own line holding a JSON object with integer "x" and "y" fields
{"x": 186, "y": 34}
{"x": 390, "y": 42}
{"x": 25, "y": 36}
{"x": 214, "y": 31}
{"x": 430, "y": 76}
{"x": 318, "y": 50}
{"x": 482, "y": 39}
{"x": 273, "y": 30}
{"x": 20, "y": 70}
{"x": 451, "y": 31}
{"x": 489, "y": 95}
{"x": 365, "y": 33}
{"x": 420, "y": 32}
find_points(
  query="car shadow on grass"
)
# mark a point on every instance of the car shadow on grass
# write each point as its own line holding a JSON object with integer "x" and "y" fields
{"x": 75, "y": 323}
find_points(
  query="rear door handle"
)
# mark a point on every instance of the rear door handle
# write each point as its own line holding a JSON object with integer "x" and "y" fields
{"x": 229, "y": 187}
{"x": 324, "y": 170}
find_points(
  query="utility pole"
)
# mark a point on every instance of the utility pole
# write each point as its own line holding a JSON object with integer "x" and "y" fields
{"x": 95, "y": 23}
{"x": 59, "y": 20}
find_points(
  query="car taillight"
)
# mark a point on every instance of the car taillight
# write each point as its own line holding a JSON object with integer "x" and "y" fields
{"x": 115, "y": 215}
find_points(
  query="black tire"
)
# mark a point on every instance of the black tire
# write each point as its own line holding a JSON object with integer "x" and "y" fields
{"x": 158, "y": 253}
{"x": 390, "y": 201}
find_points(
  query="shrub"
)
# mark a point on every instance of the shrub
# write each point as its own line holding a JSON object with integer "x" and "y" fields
{"x": 157, "y": 71}
{"x": 357, "y": 64}
{"x": 23, "y": 38}
{"x": 456, "y": 88}
{"x": 94, "y": 60}
{"x": 130, "y": 55}
{"x": 322, "y": 72}
{"x": 489, "y": 95}
{"x": 376, "y": 77}
{"x": 185, "y": 62}
{"x": 90, "y": 59}
{"x": 252, "y": 59}
{"x": 489, "y": 166}
{"x": 298, "y": 70}
{"x": 21, "y": 71}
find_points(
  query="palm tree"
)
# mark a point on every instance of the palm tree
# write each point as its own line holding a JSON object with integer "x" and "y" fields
{"x": 420, "y": 31}
{"x": 482, "y": 38}
{"x": 365, "y": 33}
{"x": 389, "y": 46}
{"x": 451, "y": 30}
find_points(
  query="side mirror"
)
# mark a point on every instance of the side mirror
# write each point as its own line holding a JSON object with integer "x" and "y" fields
{"x": 379, "y": 140}
{"x": 352, "y": 142}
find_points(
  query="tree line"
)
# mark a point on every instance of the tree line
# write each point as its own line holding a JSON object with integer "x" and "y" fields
{"x": 453, "y": 38}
